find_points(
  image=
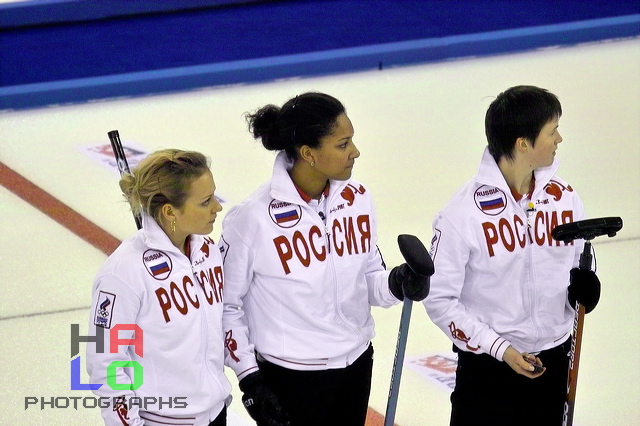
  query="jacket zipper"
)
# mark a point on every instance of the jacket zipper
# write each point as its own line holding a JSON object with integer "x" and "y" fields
{"x": 530, "y": 215}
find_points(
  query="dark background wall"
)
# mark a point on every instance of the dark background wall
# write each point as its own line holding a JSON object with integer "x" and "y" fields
{"x": 76, "y": 50}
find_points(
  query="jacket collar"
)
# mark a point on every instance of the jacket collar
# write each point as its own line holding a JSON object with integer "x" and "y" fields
{"x": 489, "y": 173}
{"x": 155, "y": 237}
{"x": 283, "y": 188}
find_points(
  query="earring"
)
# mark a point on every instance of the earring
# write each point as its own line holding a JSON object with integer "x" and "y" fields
{"x": 173, "y": 226}
{"x": 313, "y": 163}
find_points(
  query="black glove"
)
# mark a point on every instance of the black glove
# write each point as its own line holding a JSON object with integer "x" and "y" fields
{"x": 585, "y": 288}
{"x": 261, "y": 403}
{"x": 404, "y": 282}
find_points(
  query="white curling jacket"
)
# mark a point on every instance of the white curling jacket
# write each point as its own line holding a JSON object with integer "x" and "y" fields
{"x": 500, "y": 277}
{"x": 298, "y": 290}
{"x": 177, "y": 302}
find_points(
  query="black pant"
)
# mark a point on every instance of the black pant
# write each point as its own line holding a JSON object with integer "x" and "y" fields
{"x": 221, "y": 420}
{"x": 489, "y": 392}
{"x": 337, "y": 397}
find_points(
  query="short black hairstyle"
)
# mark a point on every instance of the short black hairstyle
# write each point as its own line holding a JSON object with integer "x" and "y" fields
{"x": 520, "y": 111}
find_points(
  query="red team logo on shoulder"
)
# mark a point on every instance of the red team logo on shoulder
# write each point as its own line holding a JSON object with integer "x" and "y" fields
{"x": 205, "y": 249}
{"x": 349, "y": 193}
{"x": 490, "y": 200}
{"x": 283, "y": 214}
{"x": 555, "y": 189}
{"x": 157, "y": 263}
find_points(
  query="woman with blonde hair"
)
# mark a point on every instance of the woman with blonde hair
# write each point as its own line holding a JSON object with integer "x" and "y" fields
{"x": 157, "y": 301}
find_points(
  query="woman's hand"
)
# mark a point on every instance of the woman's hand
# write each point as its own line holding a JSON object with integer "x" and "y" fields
{"x": 523, "y": 363}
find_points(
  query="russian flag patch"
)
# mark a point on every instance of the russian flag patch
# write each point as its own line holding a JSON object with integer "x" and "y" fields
{"x": 287, "y": 216}
{"x": 157, "y": 263}
{"x": 490, "y": 200}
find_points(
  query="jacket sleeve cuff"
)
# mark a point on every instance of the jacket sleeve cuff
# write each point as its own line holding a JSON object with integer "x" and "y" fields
{"x": 244, "y": 370}
{"x": 497, "y": 347}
